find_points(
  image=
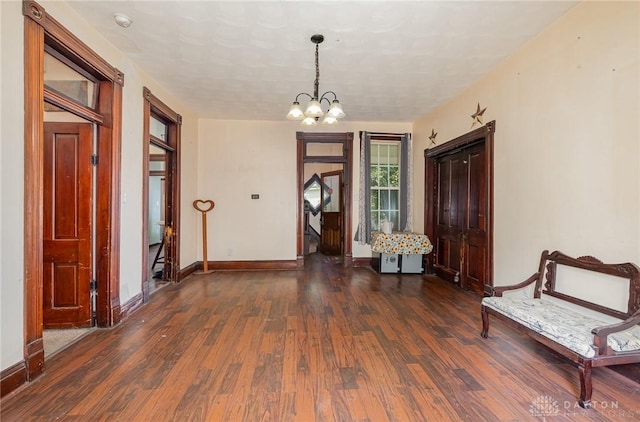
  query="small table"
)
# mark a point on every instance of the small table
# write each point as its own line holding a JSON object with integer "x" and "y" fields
{"x": 399, "y": 251}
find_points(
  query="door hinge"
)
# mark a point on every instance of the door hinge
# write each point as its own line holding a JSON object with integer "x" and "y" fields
{"x": 94, "y": 159}
{"x": 93, "y": 285}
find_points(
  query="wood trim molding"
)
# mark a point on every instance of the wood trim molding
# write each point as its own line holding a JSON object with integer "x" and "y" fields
{"x": 346, "y": 139}
{"x": 131, "y": 306}
{"x": 190, "y": 269}
{"x": 362, "y": 262}
{"x": 62, "y": 38}
{"x": 12, "y": 378}
{"x": 42, "y": 30}
{"x": 33, "y": 209}
{"x": 154, "y": 106}
{"x": 249, "y": 265}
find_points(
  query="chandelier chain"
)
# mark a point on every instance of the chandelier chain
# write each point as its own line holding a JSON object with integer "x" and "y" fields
{"x": 316, "y": 85}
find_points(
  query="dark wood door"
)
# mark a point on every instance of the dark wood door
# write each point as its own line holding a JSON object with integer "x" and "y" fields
{"x": 331, "y": 213}
{"x": 461, "y": 218}
{"x": 67, "y": 225}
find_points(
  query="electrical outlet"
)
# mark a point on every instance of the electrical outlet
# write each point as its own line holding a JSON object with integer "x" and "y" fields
{"x": 229, "y": 252}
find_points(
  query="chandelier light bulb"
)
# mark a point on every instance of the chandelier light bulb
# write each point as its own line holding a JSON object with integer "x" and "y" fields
{"x": 309, "y": 121}
{"x": 295, "y": 112}
{"x": 314, "y": 109}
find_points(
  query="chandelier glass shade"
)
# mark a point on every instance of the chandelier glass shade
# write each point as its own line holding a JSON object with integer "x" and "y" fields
{"x": 310, "y": 115}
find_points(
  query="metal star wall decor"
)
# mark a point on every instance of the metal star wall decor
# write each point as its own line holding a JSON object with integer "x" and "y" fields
{"x": 432, "y": 138}
{"x": 477, "y": 116}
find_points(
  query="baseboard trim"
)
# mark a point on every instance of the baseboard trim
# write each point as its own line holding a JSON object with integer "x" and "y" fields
{"x": 188, "y": 270}
{"x": 13, "y": 378}
{"x": 362, "y": 262}
{"x": 131, "y": 306}
{"x": 250, "y": 265}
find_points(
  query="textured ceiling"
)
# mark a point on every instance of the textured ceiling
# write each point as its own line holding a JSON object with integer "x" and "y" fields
{"x": 386, "y": 60}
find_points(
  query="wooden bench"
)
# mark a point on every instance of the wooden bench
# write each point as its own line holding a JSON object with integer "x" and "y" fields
{"x": 602, "y": 336}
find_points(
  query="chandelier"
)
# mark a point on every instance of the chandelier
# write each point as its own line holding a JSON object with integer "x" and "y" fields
{"x": 313, "y": 112}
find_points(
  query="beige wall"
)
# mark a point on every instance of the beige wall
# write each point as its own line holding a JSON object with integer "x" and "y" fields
{"x": 11, "y": 168}
{"x": 567, "y": 141}
{"x": 238, "y": 158}
{"x": 11, "y": 185}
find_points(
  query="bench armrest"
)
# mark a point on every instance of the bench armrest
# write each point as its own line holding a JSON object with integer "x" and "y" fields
{"x": 601, "y": 333}
{"x": 498, "y": 291}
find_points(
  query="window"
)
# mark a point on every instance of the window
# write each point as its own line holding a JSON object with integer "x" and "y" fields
{"x": 385, "y": 183}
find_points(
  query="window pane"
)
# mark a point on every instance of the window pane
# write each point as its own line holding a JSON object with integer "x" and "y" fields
{"x": 394, "y": 176}
{"x": 374, "y": 153}
{"x": 384, "y": 154}
{"x": 66, "y": 81}
{"x": 394, "y": 216}
{"x": 375, "y": 220}
{"x": 384, "y": 200}
{"x": 374, "y": 176}
{"x": 394, "y": 153}
{"x": 383, "y": 176}
{"x": 393, "y": 196}
{"x": 375, "y": 199}
{"x": 158, "y": 129}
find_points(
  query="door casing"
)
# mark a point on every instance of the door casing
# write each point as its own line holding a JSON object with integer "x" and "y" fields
{"x": 346, "y": 158}
{"x": 153, "y": 105}
{"x": 40, "y": 29}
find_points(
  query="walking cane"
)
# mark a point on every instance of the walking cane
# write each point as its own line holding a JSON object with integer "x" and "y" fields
{"x": 204, "y": 207}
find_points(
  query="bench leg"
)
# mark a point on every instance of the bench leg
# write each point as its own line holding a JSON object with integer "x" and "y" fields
{"x": 485, "y": 323}
{"x": 585, "y": 384}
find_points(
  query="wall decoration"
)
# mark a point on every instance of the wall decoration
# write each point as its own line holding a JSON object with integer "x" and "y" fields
{"x": 477, "y": 116}
{"x": 432, "y": 138}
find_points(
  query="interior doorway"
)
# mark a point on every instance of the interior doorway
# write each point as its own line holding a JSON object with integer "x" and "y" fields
{"x": 102, "y": 106}
{"x": 161, "y": 195}
{"x": 329, "y": 149}
{"x": 459, "y": 208}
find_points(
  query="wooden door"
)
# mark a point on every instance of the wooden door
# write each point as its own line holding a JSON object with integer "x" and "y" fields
{"x": 331, "y": 213}
{"x": 67, "y": 225}
{"x": 461, "y": 218}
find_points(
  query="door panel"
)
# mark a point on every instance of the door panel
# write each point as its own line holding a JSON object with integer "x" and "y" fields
{"x": 331, "y": 213}
{"x": 461, "y": 207}
{"x": 67, "y": 225}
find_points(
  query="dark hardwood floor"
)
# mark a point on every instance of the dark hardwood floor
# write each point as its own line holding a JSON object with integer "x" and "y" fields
{"x": 324, "y": 344}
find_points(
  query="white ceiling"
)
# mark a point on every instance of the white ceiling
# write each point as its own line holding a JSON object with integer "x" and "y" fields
{"x": 386, "y": 60}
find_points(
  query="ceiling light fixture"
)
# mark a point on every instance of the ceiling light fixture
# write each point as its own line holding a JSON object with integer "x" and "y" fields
{"x": 122, "y": 20}
{"x": 313, "y": 112}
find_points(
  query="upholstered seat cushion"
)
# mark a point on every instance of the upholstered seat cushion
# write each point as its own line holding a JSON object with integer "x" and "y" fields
{"x": 562, "y": 325}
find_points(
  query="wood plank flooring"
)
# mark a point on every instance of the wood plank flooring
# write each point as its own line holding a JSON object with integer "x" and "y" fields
{"x": 324, "y": 344}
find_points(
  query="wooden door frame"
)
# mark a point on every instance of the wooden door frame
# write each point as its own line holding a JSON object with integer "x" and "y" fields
{"x": 153, "y": 105}
{"x": 346, "y": 159}
{"x": 41, "y": 29}
{"x": 431, "y": 155}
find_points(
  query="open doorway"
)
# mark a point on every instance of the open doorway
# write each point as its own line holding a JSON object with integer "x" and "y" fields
{"x": 161, "y": 195}
{"x": 323, "y": 209}
{"x": 330, "y": 207}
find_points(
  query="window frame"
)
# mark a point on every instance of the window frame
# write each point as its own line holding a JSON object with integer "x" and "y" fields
{"x": 380, "y": 213}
